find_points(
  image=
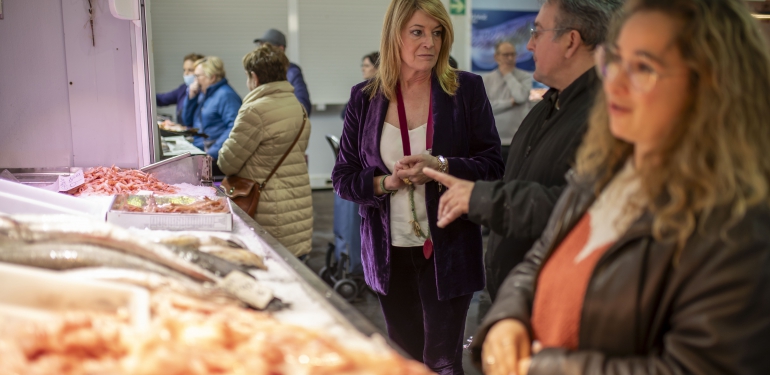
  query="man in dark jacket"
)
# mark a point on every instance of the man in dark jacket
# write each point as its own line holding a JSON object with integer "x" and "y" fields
{"x": 517, "y": 208}
{"x": 294, "y": 74}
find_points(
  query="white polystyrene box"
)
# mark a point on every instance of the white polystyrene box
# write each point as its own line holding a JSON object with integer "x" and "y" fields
{"x": 16, "y": 198}
{"x": 37, "y": 293}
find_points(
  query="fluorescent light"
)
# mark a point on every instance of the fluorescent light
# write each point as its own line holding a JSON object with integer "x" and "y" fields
{"x": 761, "y": 16}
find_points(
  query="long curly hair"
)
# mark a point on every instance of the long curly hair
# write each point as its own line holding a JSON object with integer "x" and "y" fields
{"x": 715, "y": 157}
{"x": 398, "y": 14}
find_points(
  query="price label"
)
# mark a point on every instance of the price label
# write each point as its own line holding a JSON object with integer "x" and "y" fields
{"x": 72, "y": 181}
{"x": 247, "y": 289}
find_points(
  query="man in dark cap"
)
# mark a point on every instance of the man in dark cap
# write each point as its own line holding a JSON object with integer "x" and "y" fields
{"x": 294, "y": 74}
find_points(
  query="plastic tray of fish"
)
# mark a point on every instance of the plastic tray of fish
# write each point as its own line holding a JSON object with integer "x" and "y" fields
{"x": 171, "y": 212}
{"x": 36, "y": 294}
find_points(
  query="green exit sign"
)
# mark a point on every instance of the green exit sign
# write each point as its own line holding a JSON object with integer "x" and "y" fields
{"x": 457, "y": 7}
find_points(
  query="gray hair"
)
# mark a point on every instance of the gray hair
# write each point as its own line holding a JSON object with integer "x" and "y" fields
{"x": 504, "y": 41}
{"x": 590, "y": 18}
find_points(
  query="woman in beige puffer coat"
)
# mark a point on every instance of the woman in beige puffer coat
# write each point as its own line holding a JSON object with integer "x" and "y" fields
{"x": 267, "y": 124}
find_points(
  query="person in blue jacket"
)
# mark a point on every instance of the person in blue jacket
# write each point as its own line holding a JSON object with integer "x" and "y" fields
{"x": 176, "y": 96}
{"x": 211, "y": 105}
{"x": 294, "y": 74}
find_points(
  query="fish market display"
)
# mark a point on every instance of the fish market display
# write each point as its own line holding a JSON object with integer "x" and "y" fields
{"x": 62, "y": 229}
{"x": 113, "y": 180}
{"x": 174, "y": 127}
{"x": 153, "y": 282}
{"x": 226, "y": 249}
{"x": 187, "y": 336}
{"x": 168, "y": 204}
{"x": 65, "y": 256}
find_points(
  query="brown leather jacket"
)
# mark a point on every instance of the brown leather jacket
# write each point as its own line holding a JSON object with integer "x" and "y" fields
{"x": 646, "y": 313}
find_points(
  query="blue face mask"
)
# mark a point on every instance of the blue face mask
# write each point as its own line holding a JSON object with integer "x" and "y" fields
{"x": 189, "y": 79}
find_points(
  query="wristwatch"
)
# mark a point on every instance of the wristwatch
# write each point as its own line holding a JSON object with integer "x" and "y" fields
{"x": 443, "y": 167}
{"x": 442, "y": 164}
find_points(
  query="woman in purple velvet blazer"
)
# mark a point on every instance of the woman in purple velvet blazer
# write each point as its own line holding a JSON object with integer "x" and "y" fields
{"x": 424, "y": 276}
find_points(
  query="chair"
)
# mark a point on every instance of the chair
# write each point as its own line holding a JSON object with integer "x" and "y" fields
{"x": 335, "y": 143}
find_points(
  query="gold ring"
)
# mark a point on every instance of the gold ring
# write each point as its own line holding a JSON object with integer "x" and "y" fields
{"x": 490, "y": 360}
{"x": 406, "y": 181}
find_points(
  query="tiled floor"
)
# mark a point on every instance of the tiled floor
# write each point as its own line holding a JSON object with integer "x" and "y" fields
{"x": 323, "y": 208}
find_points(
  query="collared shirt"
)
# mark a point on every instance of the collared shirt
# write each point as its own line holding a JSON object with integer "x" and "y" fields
{"x": 501, "y": 90}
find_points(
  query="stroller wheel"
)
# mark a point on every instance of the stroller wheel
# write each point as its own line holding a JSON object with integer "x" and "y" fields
{"x": 326, "y": 275}
{"x": 347, "y": 289}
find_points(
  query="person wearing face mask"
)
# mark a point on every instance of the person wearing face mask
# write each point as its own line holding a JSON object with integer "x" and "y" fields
{"x": 176, "y": 96}
{"x": 267, "y": 125}
{"x": 508, "y": 91}
{"x": 211, "y": 106}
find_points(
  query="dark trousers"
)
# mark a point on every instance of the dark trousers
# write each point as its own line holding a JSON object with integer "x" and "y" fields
{"x": 429, "y": 330}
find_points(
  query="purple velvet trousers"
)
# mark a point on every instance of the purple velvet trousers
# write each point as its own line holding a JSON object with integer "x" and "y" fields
{"x": 429, "y": 330}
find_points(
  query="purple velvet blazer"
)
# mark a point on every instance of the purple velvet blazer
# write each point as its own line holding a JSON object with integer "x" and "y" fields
{"x": 465, "y": 134}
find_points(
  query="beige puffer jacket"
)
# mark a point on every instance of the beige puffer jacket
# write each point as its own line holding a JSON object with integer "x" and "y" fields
{"x": 267, "y": 124}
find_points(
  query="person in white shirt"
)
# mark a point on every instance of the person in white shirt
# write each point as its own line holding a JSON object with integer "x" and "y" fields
{"x": 508, "y": 91}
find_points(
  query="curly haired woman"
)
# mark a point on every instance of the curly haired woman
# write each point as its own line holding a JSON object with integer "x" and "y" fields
{"x": 657, "y": 257}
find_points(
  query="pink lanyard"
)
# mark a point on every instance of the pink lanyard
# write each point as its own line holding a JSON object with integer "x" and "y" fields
{"x": 405, "y": 128}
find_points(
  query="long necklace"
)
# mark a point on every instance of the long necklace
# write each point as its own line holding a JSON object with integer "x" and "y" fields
{"x": 427, "y": 248}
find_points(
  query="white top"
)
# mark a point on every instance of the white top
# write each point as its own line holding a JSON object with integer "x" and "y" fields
{"x": 391, "y": 151}
{"x": 613, "y": 212}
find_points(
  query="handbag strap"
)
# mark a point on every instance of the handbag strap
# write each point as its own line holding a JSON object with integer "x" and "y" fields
{"x": 301, "y": 129}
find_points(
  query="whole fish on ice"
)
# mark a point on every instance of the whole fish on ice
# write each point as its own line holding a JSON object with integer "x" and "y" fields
{"x": 80, "y": 230}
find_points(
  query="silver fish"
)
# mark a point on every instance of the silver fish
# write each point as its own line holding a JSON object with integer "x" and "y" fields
{"x": 65, "y": 256}
{"x": 79, "y": 230}
{"x": 151, "y": 281}
{"x": 230, "y": 250}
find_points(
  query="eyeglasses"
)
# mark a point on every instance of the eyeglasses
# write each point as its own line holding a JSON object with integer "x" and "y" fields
{"x": 509, "y": 55}
{"x": 641, "y": 75}
{"x": 534, "y": 33}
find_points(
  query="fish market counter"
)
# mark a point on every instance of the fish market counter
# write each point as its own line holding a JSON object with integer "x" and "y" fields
{"x": 313, "y": 303}
{"x": 107, "y": 299}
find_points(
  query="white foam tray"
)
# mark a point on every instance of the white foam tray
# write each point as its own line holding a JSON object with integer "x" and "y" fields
{"x": 33, "y": 293}
{"x": 16, "y": 198}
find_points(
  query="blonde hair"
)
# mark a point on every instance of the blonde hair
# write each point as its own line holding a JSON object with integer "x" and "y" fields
{"x": 212, "y": 66}
{"x": 715, "y": 157}
{"x": 398, "y": 14}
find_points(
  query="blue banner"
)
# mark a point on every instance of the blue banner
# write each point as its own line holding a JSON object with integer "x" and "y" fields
{"x": 490, "y": 26}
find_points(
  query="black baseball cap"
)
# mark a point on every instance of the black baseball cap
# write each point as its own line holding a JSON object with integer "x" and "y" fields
{"x": 273, "y": 37}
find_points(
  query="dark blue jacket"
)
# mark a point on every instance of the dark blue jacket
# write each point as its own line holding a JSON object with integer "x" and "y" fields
{"x": 174, "y": 97}
{"x": 465, "y": 134}
{"x": 213, "y": 114}
{"x": 294, "y": 76}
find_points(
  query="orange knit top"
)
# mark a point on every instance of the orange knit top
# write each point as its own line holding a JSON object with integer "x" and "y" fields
{"x": 563, "y": 280}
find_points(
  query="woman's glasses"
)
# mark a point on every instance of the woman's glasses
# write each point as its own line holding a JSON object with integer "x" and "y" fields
{"x": 640, "y": 74}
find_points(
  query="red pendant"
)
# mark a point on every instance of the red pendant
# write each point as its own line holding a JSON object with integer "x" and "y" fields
{"x": 427, "y": 248}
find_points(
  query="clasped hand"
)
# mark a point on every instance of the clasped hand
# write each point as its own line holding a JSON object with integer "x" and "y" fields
{"x": 410, "y": 168}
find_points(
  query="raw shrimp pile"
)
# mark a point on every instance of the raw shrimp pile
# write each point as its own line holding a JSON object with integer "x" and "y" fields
{"x": 187, "y": 336}
{"x": 113, "y": 180}
{"x": 204, "y": 205}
